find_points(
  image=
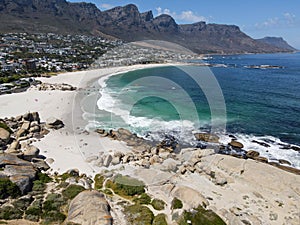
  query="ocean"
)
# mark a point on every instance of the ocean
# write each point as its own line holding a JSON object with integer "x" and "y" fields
{"x": 255, "y": 98}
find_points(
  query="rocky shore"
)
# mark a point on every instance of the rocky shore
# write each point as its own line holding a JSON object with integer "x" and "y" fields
{"x": 60, "y": 169}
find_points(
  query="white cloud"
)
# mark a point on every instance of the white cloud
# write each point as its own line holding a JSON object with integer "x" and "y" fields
{"x": 106, "y": 6}
{"x": 184, "y": 16}
{"x": 287, "y": 19}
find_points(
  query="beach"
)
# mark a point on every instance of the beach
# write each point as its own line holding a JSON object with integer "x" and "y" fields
{"x": 237, "y": 190}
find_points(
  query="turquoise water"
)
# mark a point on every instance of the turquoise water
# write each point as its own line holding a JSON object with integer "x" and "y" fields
{"x": 259, "y": 104}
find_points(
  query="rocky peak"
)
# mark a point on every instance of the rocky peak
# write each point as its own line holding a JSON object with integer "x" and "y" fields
{"x": 147, "y": 16}
{"x": 165, "y": 22}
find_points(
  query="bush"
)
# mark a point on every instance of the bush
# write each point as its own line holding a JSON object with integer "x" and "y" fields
{"x": 4, "y": 126}
{"x": 176, "y": 204}
{"x": 126, "y": 186}
{"x": 38, "y": 186}
{"x": 33, "y": 213}
{"x": 22, "y": 203}
{"x": 160, "y": 219}
{"x": 44, "y": 178}
{"x": 8, "y": 189}
{"x": 99, "y": 179}
{"x": 201, "y": 216}
{"x": 139, "y": 215}
{"x": 72, "y": 191}
{"x": 143, "y": 199}
{"x": 10, "y": 213}
{"x": 53, "y": 216}
{"x": 158, "y": 204}
{"x": 51, "y": 209}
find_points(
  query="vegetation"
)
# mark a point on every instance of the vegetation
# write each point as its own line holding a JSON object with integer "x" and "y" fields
{"x": 4, "y": 126}
{"x": 99, "y": 179}
{"x": 139, "y": 215}
{"x": 201, "y": 216}
{"x": 160, "y": 219}
{"x": 44, "y": 178}
{"x": 72, "y": 191}
{"x": 8, "y": 189}
{"x": 10, "y": 213}
{"x": 126, "y": 186}
{"x": 51, "y": 209}
{"x": 142, "y": 199}
{"x": 176, "y": 204}
{"x": 158, "y": 204}
{"x": 38, "y": 186}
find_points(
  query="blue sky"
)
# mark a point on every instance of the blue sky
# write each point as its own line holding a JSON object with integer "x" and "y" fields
{"x": 257, "y": 18}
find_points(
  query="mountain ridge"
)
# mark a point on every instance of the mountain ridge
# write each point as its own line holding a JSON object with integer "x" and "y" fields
{"x": 126, "y": 23}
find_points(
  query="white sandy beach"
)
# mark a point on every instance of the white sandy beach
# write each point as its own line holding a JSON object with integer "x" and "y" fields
{"x": 254, "y": 192}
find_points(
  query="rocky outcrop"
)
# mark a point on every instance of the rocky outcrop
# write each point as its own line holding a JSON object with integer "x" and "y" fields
{"x": 207, "y": 137}
{"x": 89, "y": 208}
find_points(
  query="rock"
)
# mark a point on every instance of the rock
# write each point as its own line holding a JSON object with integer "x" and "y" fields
{"x": 154, "y": 159}
{"x": 99, "y": 162}
{"x": 8, "y": 159}
{"x": 207, "y": 137}
{"x": 116, "y": 160}
{"x": 236, "y": 144}
{"x": 170, "y": 165}
{"x": 34, "y": 116}
{"x": 261, "y": 159}
{"x": 182, "y": 169}
{"x": 273, "y": 216}
{"x": 261, "y": 143}
{"x": 22, "y": 176}
{"x": 4, "y": 135}
{"x": 53, "y": 123}
{"x": 252, "y": 154}
{"x": 49, "y": 160}
{"x": 283, "y": 161}
{"x": 220, "y": 179}
{"x": 21, "y": 133}
{"x": 31, "y": 152}
{"x": 91, "y": 158}
{"x": 71, "y": 180}
{"x": 25, "y": 125}
{"x": 124, "y": 132}
{"x": 295, "y": 148}
{"x": 15, "y": 145}
{"x": 164, "y": 155}
{"x": 89, "y": 208}
{"x": 107, "y": 160}
{"x": 34, "y": 129}
{"x": 145, "y": 163}
{"x": 85, "y": 183}
{"x": 40, "y": 164}
{"x": 286, "y": 168}
{"x": 128, "y": 157}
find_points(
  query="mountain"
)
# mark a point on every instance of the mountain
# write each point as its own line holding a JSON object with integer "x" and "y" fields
{"x": 277, "y": 42}
{"x": 127, "y": 23}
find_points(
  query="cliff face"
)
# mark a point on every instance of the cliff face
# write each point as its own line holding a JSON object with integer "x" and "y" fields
{"x": 127, "y": 23}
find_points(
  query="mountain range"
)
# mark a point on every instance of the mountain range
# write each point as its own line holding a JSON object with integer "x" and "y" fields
{"x": 128, "y": 24}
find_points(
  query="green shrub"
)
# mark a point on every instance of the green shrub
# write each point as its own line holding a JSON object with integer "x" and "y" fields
{"x": 33, "y": 213}
{"x": 158, "y": 204}
{"x": 53, "y": 216}
{"x": 176, "y": 204}
{"x": 4, "y": 126}
{"x": 38, "y": 186}
{"x": 107, "y": 192}
{"x": 99, "y": 179}
{"x": 10, "y": 213}
{"x": 160, "y": 219}
{"x": 126, "y": 186}
{"x": 139, "y": 215}
{"x": 44, "y": 178}
{"x": 142, "y": 199}
{"x": 8, "y": 188}
{"x": 22, "y": 203}
{"x": 71, "y": 191}
{"x": 201, "y": 216}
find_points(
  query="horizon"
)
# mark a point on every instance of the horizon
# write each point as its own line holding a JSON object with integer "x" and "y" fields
{"x": 280, "y": 20}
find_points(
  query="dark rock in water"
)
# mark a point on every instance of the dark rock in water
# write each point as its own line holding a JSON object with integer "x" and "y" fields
{"x": 236, "y": 144}
{"x": 261, "y": 143}
{"x": 283, "y": 161}
{"x": 88, "y": 208}
{"x": 168, "y": 142}
{"x": 296, "y": 148}
{"x": 232, "y": 137}
{"x": 207, "y": 137}
{"x": 252, "y": 154}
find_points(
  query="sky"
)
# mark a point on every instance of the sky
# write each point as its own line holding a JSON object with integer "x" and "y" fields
{"x": 257, "y": 18}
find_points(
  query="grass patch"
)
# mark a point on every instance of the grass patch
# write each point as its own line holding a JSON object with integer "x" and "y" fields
{"x": 8, "y": 189}
{"x": 44, "y": 178}
{"x": 201, "y": 216}
{"x": 10, "y": 213}
{"x": 72, "y": 191}
{"x": 142, "y": 199}
{"x": 158, "y": 204}
{"x": 126, "y": 186}
{"x": 51, "y": 209}
{"x": 139, "y": 215}
{"x": 38, "y": 186}
{"x": 176, "y": 204}
{"x": 160, "y": 219}
{"x": 99, "y": 180}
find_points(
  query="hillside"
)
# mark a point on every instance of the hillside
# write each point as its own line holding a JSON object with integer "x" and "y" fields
{"x": 278, "y": 42}
{"x": 127, "y": 23}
